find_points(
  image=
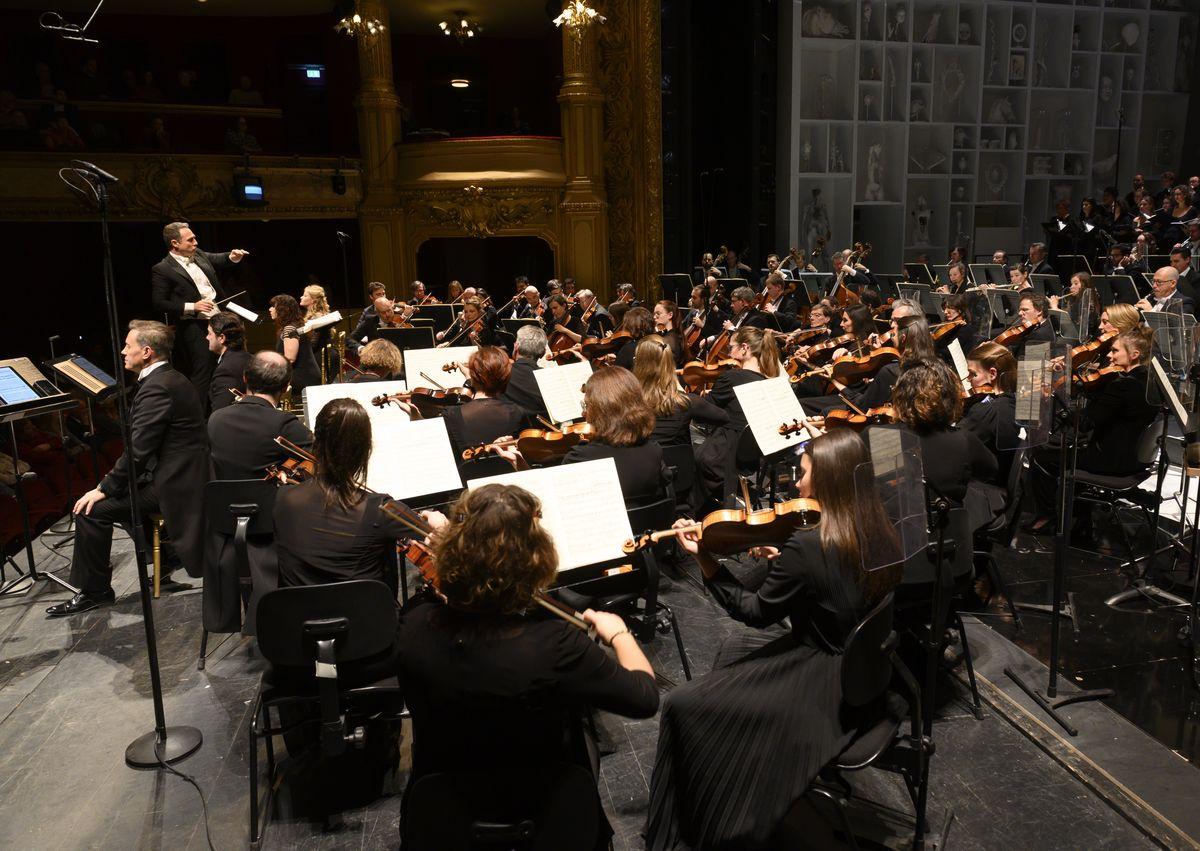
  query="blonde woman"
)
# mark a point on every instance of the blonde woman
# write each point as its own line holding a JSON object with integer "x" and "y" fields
{"x": 674, "y": 410}
{"x": 315, "y": 306}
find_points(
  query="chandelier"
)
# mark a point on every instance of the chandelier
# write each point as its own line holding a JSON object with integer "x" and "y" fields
{"x": 577, "y": 14}
{"x": 355, "y": 25}
{"x": 463, "y": 30}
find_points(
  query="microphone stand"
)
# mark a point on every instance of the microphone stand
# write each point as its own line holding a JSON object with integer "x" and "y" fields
{"x": 1051, "y": 702}
{"x": 342, "y": 240}
{"x": 163, "y": 744}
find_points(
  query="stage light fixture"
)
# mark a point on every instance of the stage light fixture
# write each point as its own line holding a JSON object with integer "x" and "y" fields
{"x": 460, "y": 83}
{"x": 462, "y": 28}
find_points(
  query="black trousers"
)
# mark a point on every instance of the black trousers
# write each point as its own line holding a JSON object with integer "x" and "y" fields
{"x": 91, "y": 571}
{"x": 191, "y": 355}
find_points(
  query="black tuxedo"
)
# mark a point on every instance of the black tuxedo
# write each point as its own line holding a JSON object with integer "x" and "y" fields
{"x": 1043, "y": 268}
{"x": 171, "y": 288}
{"x": 230, "y": 373}
{"x": 170, "y": 456}
{"x": 785, "y": 312}
{"x": 753, "y": 319}
{"x": 368, "y": 324}
{"x": 523, "y": 389}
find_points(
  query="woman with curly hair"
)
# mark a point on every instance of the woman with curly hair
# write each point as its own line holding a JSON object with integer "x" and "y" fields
{"x": 928, "y": 400}
{"x": 496, "y": 685}
{"x": 293, "y": 345}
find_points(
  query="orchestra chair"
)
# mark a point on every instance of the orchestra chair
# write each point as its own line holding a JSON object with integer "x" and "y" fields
{"x": 483, "y": 467}
{"x": 310, "y": 636}
{"x": 681, "y": 459}
{"x": 1000, "y": 532}
{"x": 622, "y": 593}
{"x": 236, "y": 509}
{"x": 464, "y": 811}
{"x": 869, "y": 664}
{"x": 914, "y": 598}
{"x": 1118, "y": 491}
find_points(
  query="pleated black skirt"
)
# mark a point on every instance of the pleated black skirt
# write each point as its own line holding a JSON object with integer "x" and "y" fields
{"x": 737, "y": 747}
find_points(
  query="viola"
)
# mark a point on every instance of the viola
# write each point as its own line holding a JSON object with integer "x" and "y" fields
{"x": 1015, "y": 332}
{"x": 416, "y": 551}
{"x": 538, "y": 445}
{"x": 730, "y": 531}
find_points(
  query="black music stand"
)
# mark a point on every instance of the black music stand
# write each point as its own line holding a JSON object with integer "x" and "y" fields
{"x": 441, "y": 315}
{"x": 676, "y": 286}
{"x": 1103, "y": 290}
{"x": 94, "y": 383}
{"x": 512, "y": 326}
{"x": 918, "y": 273}
{"x": 23, "y": 394}
{"x": 1124, "y": 289}
{"x": 407, "y": 338}
{"x": 888, "y": 284}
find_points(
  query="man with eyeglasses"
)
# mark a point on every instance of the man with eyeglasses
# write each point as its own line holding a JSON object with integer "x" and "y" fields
{"x": 1165, "y": 285}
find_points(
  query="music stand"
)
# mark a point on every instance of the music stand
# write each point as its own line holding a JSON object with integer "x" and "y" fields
{"x": 1046, "y": 284}
{"x": 1004, "y": 305}
{"x": 440, "y": 315}
{"x": 989, "y": 273}
{"x": 918, "y": 273}
{"x": 817, "y": 284}
{"x": 407, "y": 338}
{"x": 26, "y": 393}
{"x": 888, "y": 284}
{"x": 94, "y": 383}
{"x": 1124, "y": 290}
{"x": 676, "y": 286}
{"x": 512, "y": 326}
{"x": 1076, "y": 263}
{"x": 1103, "y": 290}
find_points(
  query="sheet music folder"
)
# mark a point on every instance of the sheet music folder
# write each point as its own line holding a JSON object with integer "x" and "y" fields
{"x": 84, "y": 375}
{"x": 25, "y": 392}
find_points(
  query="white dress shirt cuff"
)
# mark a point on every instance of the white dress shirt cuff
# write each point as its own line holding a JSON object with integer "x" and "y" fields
{"x": 189, "y": 307}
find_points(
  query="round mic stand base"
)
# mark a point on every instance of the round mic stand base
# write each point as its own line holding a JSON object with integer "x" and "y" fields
{"x": 149, "y": 751}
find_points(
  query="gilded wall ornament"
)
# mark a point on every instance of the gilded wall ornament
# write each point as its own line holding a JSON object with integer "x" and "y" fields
{"x": 480, "y": 212}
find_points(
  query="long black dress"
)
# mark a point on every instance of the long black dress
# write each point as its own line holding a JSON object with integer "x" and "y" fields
{"x": 715, "y": 460}
{"x": 737, "y": 747}
{"x": 305, "y": 370}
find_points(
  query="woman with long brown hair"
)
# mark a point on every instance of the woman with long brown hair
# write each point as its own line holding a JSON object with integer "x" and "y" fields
{"x": 674, "y": 410}
{"x": 991, "y": 414}
{"x": 293, "y": 345}
{"x": 757, "y": 357}
{"x": 496, "y": 684}
{"x": 637, "y": 322}
{"x": 668, "y": 324}
{"x": 736, "y": 748}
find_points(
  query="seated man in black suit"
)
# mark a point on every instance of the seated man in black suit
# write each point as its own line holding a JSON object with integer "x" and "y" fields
{"x": 368, "y": 321}
{"x": 186, "y": 286}
{"x": 227, "y": 340}
{"x": 1167, "y": 294}
{"x": 522, "y": 387}
{"x": 242, "y": 436}
{"x": 170, "y": 457}
{"x": 1038, "y": 264}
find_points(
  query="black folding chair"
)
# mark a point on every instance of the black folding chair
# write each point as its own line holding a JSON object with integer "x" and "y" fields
{"x": 312, "y": 636}
{"x": 682, "y": 459}
{"x": 237, "y": 509}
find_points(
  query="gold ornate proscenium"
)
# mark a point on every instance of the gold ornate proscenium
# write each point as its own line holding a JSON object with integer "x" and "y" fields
{"x": 576, "y": 15}
{"x": 480, "y": 213}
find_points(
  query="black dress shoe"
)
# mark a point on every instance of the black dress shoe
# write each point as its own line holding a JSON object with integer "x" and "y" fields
{"x": 82, "y": 602}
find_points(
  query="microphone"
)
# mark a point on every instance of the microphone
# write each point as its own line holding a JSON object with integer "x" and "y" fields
{"x": 95, "y": 171}
{"x": 55, "y": 338}
{"x": 344, "y": 237}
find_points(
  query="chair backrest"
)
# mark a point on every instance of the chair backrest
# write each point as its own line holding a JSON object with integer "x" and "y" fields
{"x": 289, "y": 617}
{"x": 483, "y": 467}
{"x": 225, "y": 500}
{"x": 1147, "y": 444}
{"x": 866, "y": 659}
{"x": 652, "y": 516}
{"x": 552, "y": 809}
{"x": 747, "y": 453}
{"x": 682, "y": 459}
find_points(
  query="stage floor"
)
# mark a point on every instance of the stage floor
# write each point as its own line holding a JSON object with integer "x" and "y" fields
{"x": 74, "y": 692}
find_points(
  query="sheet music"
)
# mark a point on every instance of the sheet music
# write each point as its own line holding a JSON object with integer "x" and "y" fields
{"x": 887, "y": 449}
{"x": 410, "y": 458}
{"x": 960, "y": 364}
{"x": 582, "y": 509}
{"x": 431, "y": 361}
{"x": 249, "y": 315}
{"x": 561, "y": 386}
{"x": 768, "y": 405}
{"x": 317, "y": 396}
{"x": 321, "y": 322}
{"x": 1173, "y": 401}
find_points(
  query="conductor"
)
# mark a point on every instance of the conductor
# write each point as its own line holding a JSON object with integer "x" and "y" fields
{"x": 185, "y": 285}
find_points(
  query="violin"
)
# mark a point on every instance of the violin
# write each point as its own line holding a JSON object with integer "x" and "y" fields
{"x": 1015, "y": 332}
{"x": 942, "y": 330}
{"x": 301, "y": 467}
{"x": 416, "y": 551}
{"x": 799, "y": 338}
{"x": 429, "y": 402}
{"x": 844, "y": 418}
{"x": 977, "y": 394}
{"x": 819, "y": 351}
{"x": 851, "y": 370}
{"x": 698, "y": 373}
{"x": 538, "y": 445}
{"x": 1091, "y": 351}
{"x": 731, "y": 531}
{"x": 597, "y": 347}
{"x": 396, "y": 316}
{"x": 1098, "y": 377}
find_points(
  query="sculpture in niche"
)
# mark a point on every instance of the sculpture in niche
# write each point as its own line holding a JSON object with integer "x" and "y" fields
{"x": 1128, "y": 37}
{"x": 996, "y": 177}
{"x": 1103, "y": 169}
{"x": 954, "y": 81}
{"x": 1106, "y": 89}
{"x": 1019, "y": 33}
{"x": 836, "y": 162}
{"x": 870, "y": 71}
{"x": 867, "y": 11}
{"x": 1066, "y": 131}
{"x": 1184, "y": 50}
{"x": 931, "y": 31}
{"x": 1076, "y": 74}
{"x": 1039, "y": 124}
{"x": 814, "y": 223}
{"x": 993, "y": 74}
{"x": 921, "y": 218}
{"x": 891, "y": 84}
{"x": 916, "y": 109}
{"x": 1016, "y": 68}
{"x": 918, "y": 70}
{"x": 962, "y": 237}
{"x": 868, "y": 109}
{"x": 874, "y": 191}
{"x": 1001, "y": 111}
{"x": 1039, "y": 59}
{"x": 1130, "y": 76}
{"x": 1073, "y": 165}
{"x": 960, "y": 192}
{"x": 824, "y": 84}
{"x": 897, "y": 28}
{"x": 806, "y": 150}
{"x": 1152, "y": 78}
{"x": 965, "y": 33}
{"x": 961, "y": 139}
{"x": 1076, "y": 38}
{"x": 1014, "y": 141}
{"x": 962, "y": 165}
{"x": 1043, "y": 164}
{"x": 819, "y": 22}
